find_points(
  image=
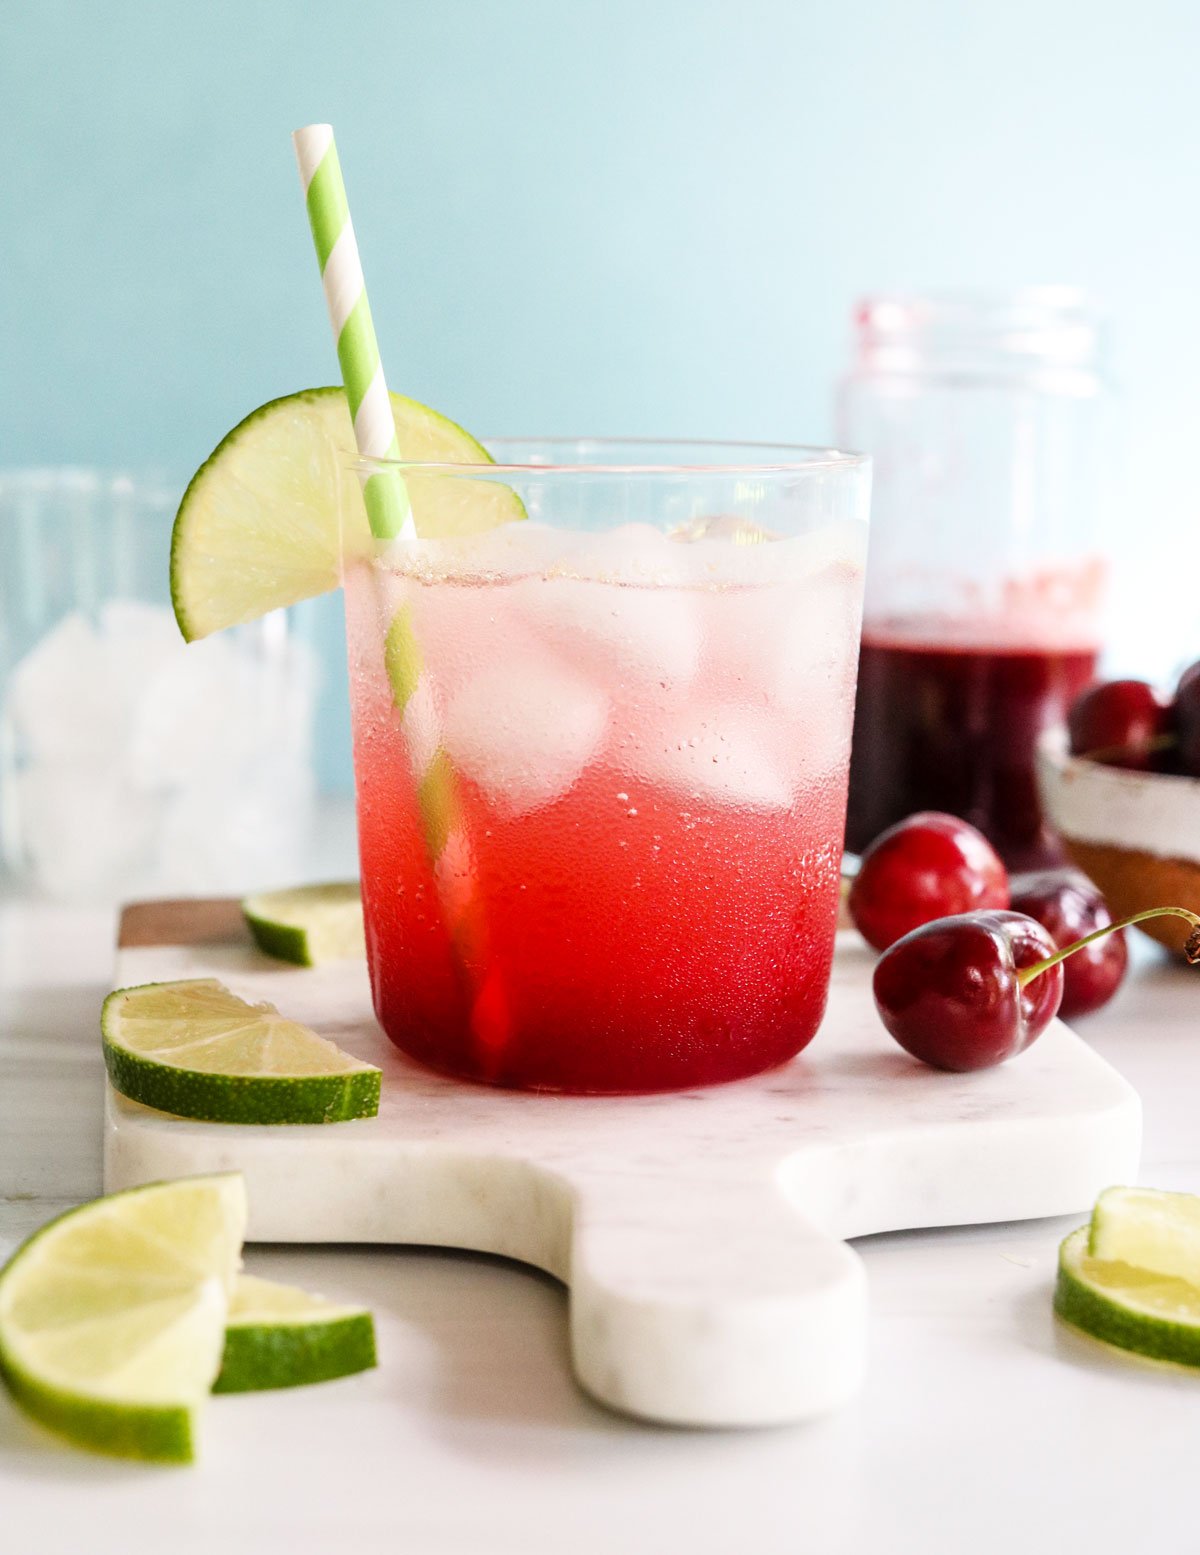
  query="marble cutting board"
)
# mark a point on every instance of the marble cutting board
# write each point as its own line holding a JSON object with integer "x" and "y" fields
{"x": 702, "y": 1234}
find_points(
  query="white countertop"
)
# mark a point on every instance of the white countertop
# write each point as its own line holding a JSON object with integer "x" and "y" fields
{"x": 984, "y": 1426}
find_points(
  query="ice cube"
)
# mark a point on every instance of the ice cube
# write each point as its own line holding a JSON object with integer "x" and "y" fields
{"x": 421, "y": 726}
{"x": 524, "y": 728}
{"x": 244, "y": 828}
{"x": 517, "y": 550}
{"x": 508, "y": 551}
{"x": 461, "y": 628}
{"x": 223, "y": 701}
{"x": 730, "y": 528}
{"x": 138, "y": 636}
{"x": 629, "y": 553}
{"x": 199, "y": 705}
{"x": 782, "y": 640}
{"x": 819, "y": 637}
{"x": 62, "y": 701}
{"x": 617, "y": 633}
{"x": 718, "y": 752}
{"x": 84, "y": 831}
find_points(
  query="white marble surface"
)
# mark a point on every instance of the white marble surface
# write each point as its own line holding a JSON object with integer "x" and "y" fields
{"x": 982, "y": 1424}
{"x": 699, "y": 1232}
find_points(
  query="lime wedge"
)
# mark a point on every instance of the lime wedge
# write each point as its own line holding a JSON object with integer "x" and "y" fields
{"x": 279, "y": 1337}
{"x": 112, "y": 1317}
{"x": 1149, "y": 1229}
{"x": 197, "y": 1050}
{"x": 1135, "y": 1309}
{"x": 267, "y": 519}
{"x": 310, "y": 925}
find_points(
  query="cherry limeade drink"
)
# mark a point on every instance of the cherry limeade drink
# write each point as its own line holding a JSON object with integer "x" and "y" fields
{"x": 953, "y": 725}
{"x": 645, "y": 741}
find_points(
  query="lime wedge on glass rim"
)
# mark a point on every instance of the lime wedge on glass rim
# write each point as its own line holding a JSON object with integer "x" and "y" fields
{"x": 269, "y": 517}
{"x": 112, "y": 1317}
{"x": 309, "y": 925}
{"x": 279, "y": 1337}
{"x": 196, "y": 1050}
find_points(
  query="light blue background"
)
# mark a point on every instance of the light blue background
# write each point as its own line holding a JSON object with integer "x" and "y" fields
{"x": 605, "y": 215}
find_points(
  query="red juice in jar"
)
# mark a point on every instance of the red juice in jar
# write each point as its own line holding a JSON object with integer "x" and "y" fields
{"x": 990, "y": 422}
{"x": 943, "y": 725}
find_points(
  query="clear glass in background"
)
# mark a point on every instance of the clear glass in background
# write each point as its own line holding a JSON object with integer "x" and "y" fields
{"x": 601, "y": 761}
{"x": 132, "y": 763}
{"x": 989, "y": 423}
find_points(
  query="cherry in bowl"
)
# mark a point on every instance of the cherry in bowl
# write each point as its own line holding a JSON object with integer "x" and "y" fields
{"x": 1122, "y": 723}
{"x": 1187, "y": 720}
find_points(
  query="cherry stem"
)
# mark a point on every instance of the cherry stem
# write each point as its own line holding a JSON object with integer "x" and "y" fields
{"x": 1191, "y": 947}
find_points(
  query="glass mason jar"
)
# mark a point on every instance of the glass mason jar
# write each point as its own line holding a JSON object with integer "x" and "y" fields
{"x": 987, "y": 421}
{"x": 601, "y": 753}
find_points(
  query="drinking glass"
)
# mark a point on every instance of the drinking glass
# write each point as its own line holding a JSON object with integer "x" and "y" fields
{"x": 132, "y": 763}
{"x": 601, "y": 755}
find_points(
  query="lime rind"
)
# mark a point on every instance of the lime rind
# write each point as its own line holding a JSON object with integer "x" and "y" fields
{"x": 310, "y": 925}
{"x": 202, "y": 1022}
{"x": 1138, "y": 1310}
{"x": 280, "y": 1337}
{"x": 153, "y": 1433}
{"x": 111, "y": 1406}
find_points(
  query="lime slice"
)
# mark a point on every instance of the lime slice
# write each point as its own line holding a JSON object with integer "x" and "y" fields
{"x": 1135, "y": 1309}
{"x": 112, "y": 1317}
{"x": 1149, "y": 1229}
{"x": 310, "y": 925}
{"x": 279, "y": 1337}
{"x": 261, "y": 523}
{"x": 197, "y": 1050}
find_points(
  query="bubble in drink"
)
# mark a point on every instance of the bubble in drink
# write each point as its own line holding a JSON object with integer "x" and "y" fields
{"x": 711, "y": 753}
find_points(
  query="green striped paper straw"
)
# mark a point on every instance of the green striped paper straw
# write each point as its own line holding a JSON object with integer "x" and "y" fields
{"x": 385, "y": 496}
{"x": 389, "y": 513}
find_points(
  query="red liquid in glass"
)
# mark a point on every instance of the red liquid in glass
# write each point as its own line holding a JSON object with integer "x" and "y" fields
{"x": 629, "y": 934}
{"x": 955, "y": 728}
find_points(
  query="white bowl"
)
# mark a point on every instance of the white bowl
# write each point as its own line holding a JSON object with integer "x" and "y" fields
{"x": 1136, "y": 834}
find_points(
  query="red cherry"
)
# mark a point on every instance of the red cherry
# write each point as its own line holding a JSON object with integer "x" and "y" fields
{"x": 950, "y": 993}
{"x": 1119, "y": 722}
{"x": 970, "y": 991}
{"x": 1187, "y": 720}
{"x": 1068, "y": 905}
{"x": 928, "y": 866}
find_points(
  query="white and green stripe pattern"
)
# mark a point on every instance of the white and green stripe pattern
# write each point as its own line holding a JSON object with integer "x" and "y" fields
{"x": 447, "y": 841}
{"x": 384, "y": 494}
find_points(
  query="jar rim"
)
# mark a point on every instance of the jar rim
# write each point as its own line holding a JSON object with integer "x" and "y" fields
{"x": 1057, "y": 326}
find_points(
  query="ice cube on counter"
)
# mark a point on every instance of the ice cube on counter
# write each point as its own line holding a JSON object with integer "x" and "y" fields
{"x": 523, "y": 729}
